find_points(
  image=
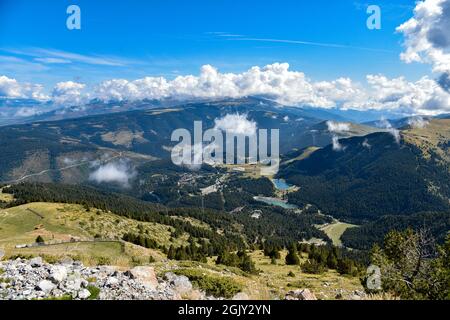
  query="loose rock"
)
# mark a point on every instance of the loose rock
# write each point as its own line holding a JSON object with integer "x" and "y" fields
{"x": 45, "y": 286}
{"x": 58, "y": 273}
{"x": 36, "y": 262}
{"x": 35, "y": 279}
{"x": 181, "y": 284}
{"x": 144, "y": 275}
{"x": 84, "y": 294}
{"x": 304, "y": 294}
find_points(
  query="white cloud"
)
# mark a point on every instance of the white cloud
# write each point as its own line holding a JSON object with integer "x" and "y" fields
{"x": 27, "y": 112}
{"x": 11, "y": 88}
{"x": 422, "y": 97}
{"x": 366, "y": 144}
{"x": 120, "y": 173}
{"x": 58, "y": 56}
{"x": 278, "y": 82}
{"x": 427, "y": 37}
{"x": 14, "y": 65}
{"x": 417, "y": 122}
{"x": 121, "y": 89}
{"x": 69, "y": 93}
{"x": 236, "y": 124}
{"x": 383, "y": 123}
{"x": 337, "y": 146}
{"x": 338, "y": 127}
{"x": 53, "y": 60}
{"x": 274, "y": 81}
{"x": 340, "y": 90}
{"x": 300, "y": 42}
{"x": 69, "y": 161}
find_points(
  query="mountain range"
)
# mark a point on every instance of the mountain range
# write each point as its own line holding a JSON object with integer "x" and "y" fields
{"x": 358, "y": 173}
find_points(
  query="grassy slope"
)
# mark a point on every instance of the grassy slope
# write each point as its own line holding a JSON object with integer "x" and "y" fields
{"x": 273, "y": 281}
{"x": 430, "y": 138}
{"x": 335, "y": 230}
{"x": 61, "y": 222}
{"x": 276, "y": 278}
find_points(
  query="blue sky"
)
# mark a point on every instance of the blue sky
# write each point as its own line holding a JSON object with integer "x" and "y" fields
{"x": 134, "y": 38}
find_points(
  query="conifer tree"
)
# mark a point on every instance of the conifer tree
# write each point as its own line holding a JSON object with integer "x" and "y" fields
{"x": 292, "y": 256}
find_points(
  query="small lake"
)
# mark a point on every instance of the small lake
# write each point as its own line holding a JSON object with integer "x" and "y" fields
{"x": 276, "y": 202}
{"x": 281, "y": 184}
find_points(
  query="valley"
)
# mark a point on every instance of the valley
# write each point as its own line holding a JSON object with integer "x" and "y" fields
{"x": 102, "y": 190}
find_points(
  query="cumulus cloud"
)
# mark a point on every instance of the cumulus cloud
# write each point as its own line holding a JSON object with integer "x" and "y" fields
{"x": 272, "y": 81}
{"x": 423, "y": 97}
{"x": 11, "y": 88}
{"x": 118, "y": 172}
{"x": 427, "y": 37}
{"x": 426, "y": 34}
{"x": 338, "y": 91}
{"x": 338, "y": 127}
{"x": 288, "y": 87}
{"x": 69, "y": 93}
{"x": 237, "y": 124}
{"x": 121, "y": 89}
{"x": 276, "y": 81}
{"x": 444, "y": 81}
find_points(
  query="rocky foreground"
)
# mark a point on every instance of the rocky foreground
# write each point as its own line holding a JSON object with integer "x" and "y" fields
{"x": 34, "y": 279}
{"x": 23, "y": 279}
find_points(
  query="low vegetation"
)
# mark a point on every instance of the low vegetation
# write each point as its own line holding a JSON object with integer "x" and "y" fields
{"x": 412, "y": 266}
{"x": 213, "y": 285}
{"x": 94, "y": 291}
{"x": 263, "y": 269}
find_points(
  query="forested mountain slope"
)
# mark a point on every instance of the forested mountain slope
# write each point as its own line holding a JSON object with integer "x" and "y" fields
{"x": 377, "y": 175}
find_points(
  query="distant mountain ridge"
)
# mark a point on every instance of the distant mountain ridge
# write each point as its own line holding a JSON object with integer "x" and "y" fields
{"x": 22, "y": 111}
{"x": 138, "y": 134}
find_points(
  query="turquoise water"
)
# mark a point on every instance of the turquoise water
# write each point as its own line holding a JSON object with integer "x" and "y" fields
{"x": 281, "y": 184}
{"x": 276, "y": 202}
